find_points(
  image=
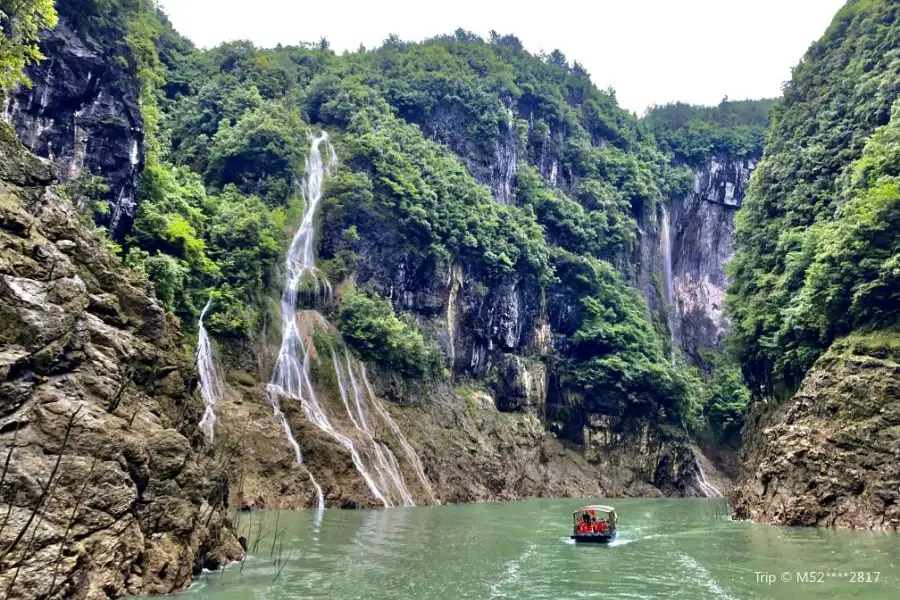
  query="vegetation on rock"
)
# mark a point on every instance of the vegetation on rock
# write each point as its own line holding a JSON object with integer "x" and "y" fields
{"x": 693, "y": 134}
{"x": 817, "y": 249}
{"x": 20, "y": 22}
{"x": 701, "y": 139}
{"x": 370, "y": 326}
{"x": 456, "y": 151}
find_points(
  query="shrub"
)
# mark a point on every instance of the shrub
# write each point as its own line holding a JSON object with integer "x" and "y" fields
{"x": 370, "y": 326}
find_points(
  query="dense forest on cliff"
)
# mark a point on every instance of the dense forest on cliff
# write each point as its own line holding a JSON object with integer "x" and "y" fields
{"x": 817, "y": 244}
{"x": 504, "y": 286}
{"x": 472, "y": 153}
{"x": 420, "y": 130}
{"x": 691, "y": 134}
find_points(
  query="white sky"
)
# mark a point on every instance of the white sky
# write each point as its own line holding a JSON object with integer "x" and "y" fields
{"x": 650, "y": 51}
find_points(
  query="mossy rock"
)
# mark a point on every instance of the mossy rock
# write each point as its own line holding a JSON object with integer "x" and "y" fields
{"x": 242, "y": 378}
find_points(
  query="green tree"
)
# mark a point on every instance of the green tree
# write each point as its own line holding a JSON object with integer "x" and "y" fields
{"x": 814, "y": 246}
{"x": 370, "y": 326}
{"x": 260, "y": 154}
{"x": 615, "y": 357}
{"x": 21, "y": 21}
{"x": 693, "y": 134}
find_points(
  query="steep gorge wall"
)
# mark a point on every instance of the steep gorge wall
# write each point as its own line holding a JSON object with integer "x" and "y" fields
{"x": 829, "y": 456}
{"x": 702, "y": 226}
{"x": 817, "y": 328}
{"x": 474, "y": 444}
{"x": 82, "y": 113}
{"x": 105, "y": 487}
{"x": 499, "y": 340}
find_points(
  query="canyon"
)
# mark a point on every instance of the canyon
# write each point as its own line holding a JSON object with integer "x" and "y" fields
{"x": 428, "y": 273}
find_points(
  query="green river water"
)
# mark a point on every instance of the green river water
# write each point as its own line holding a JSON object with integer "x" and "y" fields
{"x": 667, "y": 548}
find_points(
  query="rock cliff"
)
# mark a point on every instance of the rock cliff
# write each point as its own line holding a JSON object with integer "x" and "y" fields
{"x": 829, "y": 456}
{"x": 702, "y": 225}
{"x": 474, "y": 445}
{"x": 103, "y": 490}
{"x": 502, "y": 336}
{"x": 82, "y": 113}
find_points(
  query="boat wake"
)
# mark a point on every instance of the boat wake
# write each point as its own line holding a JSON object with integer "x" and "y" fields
{"x": 703, "y": 577}
{"x": 513, "y": 573}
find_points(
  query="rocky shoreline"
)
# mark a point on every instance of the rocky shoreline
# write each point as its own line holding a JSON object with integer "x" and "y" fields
{"x": 829, "y": 456}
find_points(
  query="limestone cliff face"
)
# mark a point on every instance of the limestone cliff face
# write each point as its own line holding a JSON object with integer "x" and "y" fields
{"x": 82, "y": 113}
{"x": 473, "y": 445}
{"x": 503, "y": 334}
{"x": 504, "y": 331}
{"x": 702, "y": 225}
{"x": 105, "y": 494}
{"x": 476, "y": 324}
{"x": 829, "y": 456}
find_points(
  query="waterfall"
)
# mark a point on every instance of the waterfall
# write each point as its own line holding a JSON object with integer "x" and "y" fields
{"x": 386, "y": 464}
{"x": 665, "y": 250}
{"x": 290, "y": 377}
{"x": 506, "y": 162}
{"x": 411, "y": 455}
{"x": 287, "y": 378}
{"x": 210, "y": 385}
{"x": 708, "y": 489}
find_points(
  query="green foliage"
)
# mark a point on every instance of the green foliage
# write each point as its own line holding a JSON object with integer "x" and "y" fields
{"x": 816, "y": 239}
{"x": 371, "y": 328}
{"x": 851, "y": 264}
{"x": 854, "y": 277}
{"x": 219, "y": 103}
{"x": 20, "y": 23}
{"x": 418, "y": 128}
{"x": 692, "y": 134}
{"x": 88, "y": 194}
{"x": 226, "y": 240}
{"x": 244, "y": 238}
{"x": 168, "y": 274}
{"x": 599, "y": 222}
{"x": 438, "y": 206}
{"x": 724, "y": 398}
{"x": 615, "y": 357}
{"x": 260, "y": 153}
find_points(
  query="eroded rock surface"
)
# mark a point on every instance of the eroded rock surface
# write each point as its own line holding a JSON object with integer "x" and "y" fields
{"x": 829, "y": 456}
{"x": 82, "y": 113}
{"x": 104, "y": 495}
{"x": 702, "y": 229}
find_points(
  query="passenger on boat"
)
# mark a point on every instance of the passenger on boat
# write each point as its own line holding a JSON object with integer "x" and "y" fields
{"x": 585, "y": 525}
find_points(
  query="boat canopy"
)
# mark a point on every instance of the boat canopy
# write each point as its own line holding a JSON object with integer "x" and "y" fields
{"x": 593, "y": 509}
{"x": 597, "y": 508}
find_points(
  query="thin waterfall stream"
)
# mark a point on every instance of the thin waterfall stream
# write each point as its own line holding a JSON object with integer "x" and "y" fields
{"x": 385, "y": 464}
{"x": 291, "y": 375}
{"x": 210, "y": 385}
{"x": 708, "y": 489}
{"x": 665, "y": 250}
{"x": 411, "y": 454}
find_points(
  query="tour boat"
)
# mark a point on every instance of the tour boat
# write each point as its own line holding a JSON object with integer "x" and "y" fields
{"x": 594, "y": 524}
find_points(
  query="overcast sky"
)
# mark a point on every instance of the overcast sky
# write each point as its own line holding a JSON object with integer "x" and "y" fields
{"x": 650, "y": 51}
